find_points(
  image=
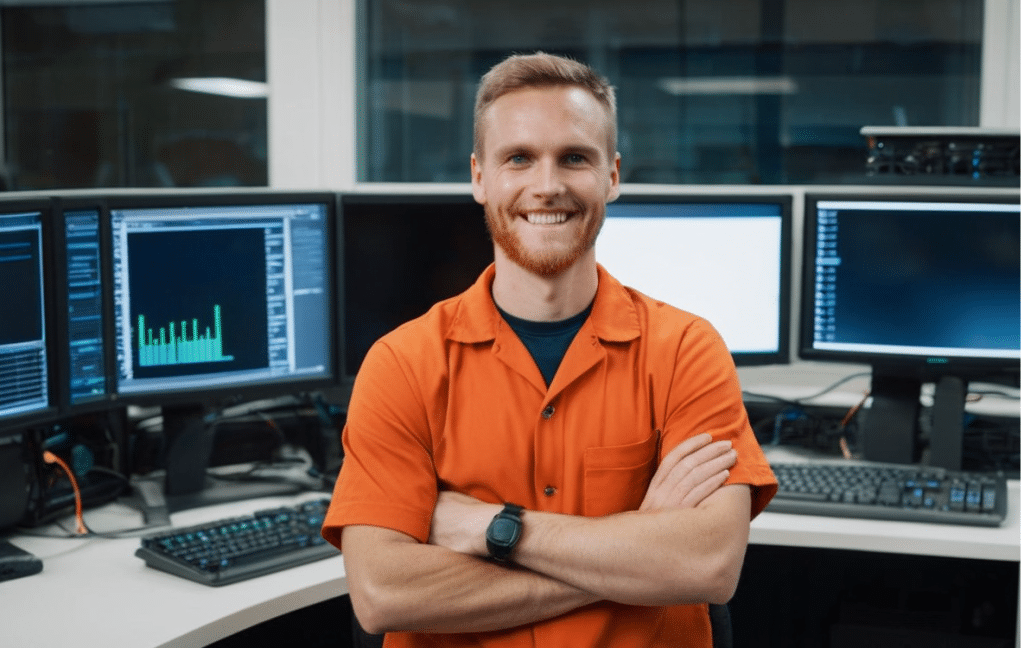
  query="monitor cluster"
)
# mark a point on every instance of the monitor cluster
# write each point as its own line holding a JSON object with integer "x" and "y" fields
{"x": 157, "y": 298}
{"x": 179, "y": 298}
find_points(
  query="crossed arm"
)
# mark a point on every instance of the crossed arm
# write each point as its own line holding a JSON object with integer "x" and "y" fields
{"x": 684, "y": 545}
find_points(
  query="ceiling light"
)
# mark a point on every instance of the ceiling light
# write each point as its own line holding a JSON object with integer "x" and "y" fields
{"x": 223, "y": 86}
{"x": 680, "y": 86}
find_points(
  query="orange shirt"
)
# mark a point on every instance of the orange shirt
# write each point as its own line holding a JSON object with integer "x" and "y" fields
{"x": 453, "y": 400}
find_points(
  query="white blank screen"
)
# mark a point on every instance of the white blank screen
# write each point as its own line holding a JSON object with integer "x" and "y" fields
{"x": 719, "y": 261}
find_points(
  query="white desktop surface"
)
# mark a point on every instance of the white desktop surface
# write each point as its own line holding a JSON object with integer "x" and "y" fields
{"x": 96, "y": 593}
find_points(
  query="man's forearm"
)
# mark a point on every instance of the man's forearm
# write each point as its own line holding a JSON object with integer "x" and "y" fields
{"x": 654, "y": 557}
{"x": 662, "y": 557}
{"x": 397, "y": 584}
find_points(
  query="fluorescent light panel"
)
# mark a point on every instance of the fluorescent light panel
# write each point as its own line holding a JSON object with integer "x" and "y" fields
{"x": 223, "y": 86}
{"x": 680, "y": 86}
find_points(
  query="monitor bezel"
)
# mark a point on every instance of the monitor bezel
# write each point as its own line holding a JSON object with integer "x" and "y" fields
{"x": 925, "y": 368}
{"x": 688, "y": 196}
{"x": 223, "y": 396}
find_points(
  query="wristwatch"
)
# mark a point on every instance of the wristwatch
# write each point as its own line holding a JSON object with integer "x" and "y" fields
{"x": 504, "y": 531}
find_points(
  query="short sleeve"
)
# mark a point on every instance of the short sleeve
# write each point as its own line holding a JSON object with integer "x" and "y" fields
{"x": 705, "y": 396}
{"x": 387, "y": 478}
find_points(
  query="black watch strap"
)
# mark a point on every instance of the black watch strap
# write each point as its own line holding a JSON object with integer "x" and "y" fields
{"x": 504, "y": 532}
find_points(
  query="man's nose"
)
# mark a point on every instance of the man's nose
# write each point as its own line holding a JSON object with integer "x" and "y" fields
{"x": 549, "y": 179}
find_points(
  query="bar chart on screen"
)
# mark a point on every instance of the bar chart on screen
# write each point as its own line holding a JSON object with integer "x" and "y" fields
{"x": 182, "y": 343}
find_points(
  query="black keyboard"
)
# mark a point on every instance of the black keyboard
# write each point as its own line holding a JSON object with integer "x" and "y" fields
{"x": 890, "y": 492}
{"x": 239, "y": 548}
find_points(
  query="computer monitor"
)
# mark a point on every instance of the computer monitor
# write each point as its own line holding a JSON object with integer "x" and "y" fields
{"x": 26, "y": 332}
{"x": 723, "y": 257}
{"x": 27, "y": 384}
{"x": 401, "y": 254}
{"x": 83, "y": 336}
{"x": 219, "y": 299}
{"x": 923, "y": 287}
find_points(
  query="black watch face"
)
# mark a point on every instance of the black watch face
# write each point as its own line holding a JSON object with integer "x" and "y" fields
{"x": 504, "y": 531}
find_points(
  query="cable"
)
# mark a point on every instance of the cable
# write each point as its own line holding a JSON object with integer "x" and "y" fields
{"x": 747, "y": 395}
{"x": 844, "y": 444}
{"x": 51, "y": 458}
{"x": 803, "y": 399}
{"x": 833, "y": 386}
{"x": 272, "y": 424}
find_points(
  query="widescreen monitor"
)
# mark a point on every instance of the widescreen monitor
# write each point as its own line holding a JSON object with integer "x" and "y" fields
{"x": 222, "y": 295}
{"x": 725, "y": 258}
{"x": 26, "y": 334}
{"x": 219, "y": 299}
{"x": 923, "y": 287}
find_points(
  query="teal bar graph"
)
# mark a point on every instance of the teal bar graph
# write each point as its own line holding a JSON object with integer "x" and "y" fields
{"x": 174, "y": 346}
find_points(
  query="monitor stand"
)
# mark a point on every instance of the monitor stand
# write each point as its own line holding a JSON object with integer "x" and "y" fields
{"x": 947, "y": 436}
{"x": 156, "y": 505}
{"x": 188, "y": 441}
{"x": 186, "y": 484}
{"x": 891, "y": 427}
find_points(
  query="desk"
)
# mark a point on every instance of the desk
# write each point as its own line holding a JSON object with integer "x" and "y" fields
{"x": 97, "y": 593}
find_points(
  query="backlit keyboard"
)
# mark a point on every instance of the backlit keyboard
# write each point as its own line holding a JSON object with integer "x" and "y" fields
{"x": 239, "y": 548}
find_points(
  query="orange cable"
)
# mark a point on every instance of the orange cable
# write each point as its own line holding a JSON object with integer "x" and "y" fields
{"x": 853, "y": 410}
{"x": 844, "y": 445}
{"x": 51, "y": 458}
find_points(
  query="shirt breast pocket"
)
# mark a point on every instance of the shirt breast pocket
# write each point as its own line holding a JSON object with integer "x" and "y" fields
{"x": 616, "y": 477}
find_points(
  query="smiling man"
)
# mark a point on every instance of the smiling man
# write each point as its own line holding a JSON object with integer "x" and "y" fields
{"x": 549, "y": 458}
{"x": 546, "y": 178}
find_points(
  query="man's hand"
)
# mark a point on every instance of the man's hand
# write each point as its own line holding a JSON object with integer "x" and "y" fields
{"x": 689, "y": 473}
{"x": 460, "y": 523}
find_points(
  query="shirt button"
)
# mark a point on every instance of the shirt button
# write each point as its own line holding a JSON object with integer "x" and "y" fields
{"x": 550, "y": 490}
{"x": 548, "y": 412}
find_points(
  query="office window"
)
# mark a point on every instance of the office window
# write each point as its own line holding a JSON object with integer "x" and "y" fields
{"x": 126, "y": 94}
{"x": 710, "y": 91}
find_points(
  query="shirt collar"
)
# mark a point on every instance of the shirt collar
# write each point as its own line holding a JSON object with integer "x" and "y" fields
{"x": 613, "y": 316}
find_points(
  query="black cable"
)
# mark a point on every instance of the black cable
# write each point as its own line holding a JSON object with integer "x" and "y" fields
{"x": 803, "y": 399}
{"x": 834, "y": 386}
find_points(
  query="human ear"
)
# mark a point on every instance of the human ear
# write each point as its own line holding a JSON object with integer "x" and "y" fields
{"x": 479, "y": 194}
{"x": 613, "y": 187}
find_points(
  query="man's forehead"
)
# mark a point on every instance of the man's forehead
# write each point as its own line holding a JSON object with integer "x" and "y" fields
{"x": 519, "y": 107}
{"x": 574, "y": 97}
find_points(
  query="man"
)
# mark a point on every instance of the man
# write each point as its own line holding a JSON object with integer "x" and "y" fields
{"x": 614, "y": 420}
